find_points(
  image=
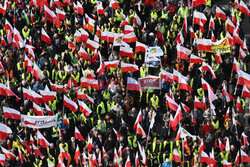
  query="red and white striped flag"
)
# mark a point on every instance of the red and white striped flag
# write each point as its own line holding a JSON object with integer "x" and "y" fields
{"x": 244, "y": 137}
{"x": 41, "y": 140}
{"x": 140, "y": 47}
{"x": 37, "y": 109}
{"x": 36, "y": 151}
{"x": 49, "y": 14}
{"x": 70, "y": 104}
{"x": 206, "y": 67}
{"x": 8, "y": 154}
{"x": 205, "y": 158}
{"x": 220, "y": 13}
{"x": 243, "y": 8}
{"x": 48, "y": 95}
{"x": 185, "y": 107}
{"x": 196, "y": 59}
{"x": 245, "y": 92}
{"x": 113, "y": 4}
{"x": 205, "y": 85}
{"x": 60, "y": 14}
{"x": 230, "y": 39}
{"x": 85, "y": 82}
{"x": 226, "y": 94}
{"x": 132, "y": 84}
{"x": 140, "y": 131}
{"x": 182, "y": 52}
{"x": 78, "y": 135}
{"x": 11, "y": 113}
{"x": 184, "y": 85}
{"x": 92, "y": 45}
{"x": 192, "y": 34}
{"x": 243, "y": 156}
{"x": 125, "y": 67}
{"x": 84, "y": 108}
{"x": 230, "y": 26}
{"x": 45, "y": 37}
{"x": 176, "y": 157}
{"x": 126, "y": 52}
{"x": 4, "y": 131}
{"x": 244, "y": 79}
{"x": 197, "y": 103}
{"x": 128, "y": 29}
{"x": 117, "y": 134}
{"x": 111, "y": 64}
{"x": 77, "y": 155}
{"x": 100, "y": 9}
{"x": 199, "y": 17}
{"x": 171, "y": 103}
{"x": 242, "y": 53}
{"x": 8, "y": 26}
{"x": 167, "y": 76}
{"x": 238, "y": 105}
{"x": 218, "y": 58}
{"x": 129, "y": 38}
{"x": 237, "y": 39}
{"x": 2, "y": 159}
{"x": 236, "y": 67}
{"x": 18, "y": 38}
{"x": 204, "y": 44}
{"x": 138, "y": 120}
{"x": 137, "y": 20}
{"x": 211, "y": 23}
{"x": 177, "y": 118}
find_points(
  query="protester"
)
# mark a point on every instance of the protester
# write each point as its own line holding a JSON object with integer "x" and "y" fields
{"x": 124, "y": 83}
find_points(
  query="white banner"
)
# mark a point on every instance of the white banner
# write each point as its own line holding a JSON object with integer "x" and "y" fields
{"x": 152, "y": 56}
{"x": 38, "y": 121}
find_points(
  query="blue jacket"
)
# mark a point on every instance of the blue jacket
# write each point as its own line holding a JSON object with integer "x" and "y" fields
{"x": 165, "y": 164}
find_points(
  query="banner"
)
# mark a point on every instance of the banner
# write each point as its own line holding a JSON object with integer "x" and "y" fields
{"x": 152, "y": 56}
{"x": 38, "y": 121}
{"x": 151, "y": 82}
{"x": 222, "y": 46}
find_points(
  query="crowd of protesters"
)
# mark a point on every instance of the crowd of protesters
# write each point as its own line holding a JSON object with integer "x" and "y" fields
{"x": 110, "y": 134}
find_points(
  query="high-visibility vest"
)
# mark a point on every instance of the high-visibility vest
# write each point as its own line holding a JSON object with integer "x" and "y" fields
{"x": 105, "y": 95}
{"x": 103, "y": 110}
{"x": 76, "y": 77}
{"x": 143, "y": 72}
{"x": 55, "y": 132}
{"x": 66, "y": 146}
{"x": 39, "y": 164}
{"x": 132, "y": 143}
{"x": 209, "y": 3}
{"x": 51, "y": 162}
{"x": 215, "y": 124}
{"x": 154, "y": 102}
{"x": 164, "y": 15}
{"x": 154, "y": 15}
{"x": 183, "y": 12}
{"x": 26, "y": 33}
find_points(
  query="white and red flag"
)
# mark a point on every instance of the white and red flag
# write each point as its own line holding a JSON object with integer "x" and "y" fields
{"x": 77, "y": 154}
{"x": 243, "y": 8}
{"x": 2, "y": 159}
{"x": 230, "y": 26}
{"x": 211, "y": 23}
{"x": 84, "y": 108}
{"x": 242, "y": 53}
{"x": 244, "y": 137}
{"x": 126, "y": 52}
{"x": 92, "y": 45}
{"x": 182, "y": 52}
{"x": 101, "y": 67}
{"x": 244, "y": 79}
{"x": 4, "y": 131}
{"x": 140, "y": 47}
{"x": 176, "y": 157}
{"x": 171, "y": 103}
{"x": 245, "y": 92}
{"x": 177, "y": 118}
{"x": 49, "y": 14}
{"x": 11, "y": 113}
{"x": 113, "y": 4}
{"x": 197, "y": 103}
{"x": 140, "y": 131}
{"x": 78, "y": 135}
{"x": 8, "y": 154}
{"x": 37, "y": 109}
{"x": 60, "y": 14}
{"x": 36, "y": 151}
{"x": 128, "y": 29}
{"x": 41, "y": 140}
{"x": 199, "y": 17}
{"x": 18, "y": 38}
{"x": 85, "y": 82}
{"x": 125, "y": 67}
{"x": 138, "y": 120}
{"x": 220, "y": 13}
{"x": 236, "y": 67}
{"x": 45, "y": 37}
{"x": 238, "y": 105}
{"x": 196, "y": 59}
{"x": 132, "y": 84}
{"x": 128, "y": 38}
{"x": 205, "y": 85}
{"x": 137, "y": 20}
{"x": 167, "y": 76}
{"x": 205, "y": 158}
{"x": 48, "y": 95}
{"x": 243, "y": 156}
{"x": 117, "y": 134}
{"x": 70, "y": 104}
{"x": 226, "y": 94}
{"x": 218, "y": 58}
{"x": 199, "y": 2}
{"x": 100, "y": 9}
{"x": 204, "y": 44}
{"x": 206, "y": 67}
{"x": 184, "y": 85}
{"x": 111, "y": 64}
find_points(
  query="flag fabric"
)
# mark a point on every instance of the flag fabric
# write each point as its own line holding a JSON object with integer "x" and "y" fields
{"x": 92, "y": 45}
{"x": 36, "y": 151}
{"x": 37, "y": 109}
{"x": 197, "y": 103}
{"x": 45, "y": 37}
{"x": 101, "y": 67}
{"x": 85, "y": 82}
{"x": 132, "y": 84}
{"x": 4, "y": 131}
{"x": 2, "y": 159}
{"x": 111, "y": 64}
{"x": 70, "y": 104}
{"x": 184, "y": 85}
{"x": 218, "y": 58}
{"x": 140, "y": 47}
{"x": 205, "y": 159}
{"x": 206, "y": 67}
{"x": 129, "y": 38}
{"x": 245, "y": 92}
{"x": 160, "y": 37}
{"x": 138, "y": 120}
{"x": 128, "y": 163}
{"x": 100, "y": 9}
{"x": 244, "y": 137}
{"x": 242, "y": 53}
{"x": 243, "y": 8}
{"x": 220, "y": 13}
{"x": 204, "y": 44}
{"x": 125, "y": 67}
{"x": 211, "y": 23}
{"x": 237, "y": 39}
{"x": 196, "y": 59}
{"x": 11, "y": 113}
{"x": 167, "y": 76}
{"x": 176, "y": 157}
{"x": 176, "y": 119}
{"x": 244, "y": 79}
{"x": 226, "y": 94}
{"x": 48, "y": 95}
{"x": 41, "y": 140}
{"x": 205, "y": 85}
{"x": 84, "y": 108}
{"x": 192, "y": 34}
{"x": 199, "y": 2}
{"x": 60, "y": 14}
{"x": 230, "y": 26}
{"x": 139, "y": 130}
{"x": 8, "y": 154}
{"x": 137, "y": 20}
{"x": 126, "y": 52}
{"x": 185, "y": 107}
{"x": 78, "y": 135}
{"x": 128, "y": 29}
{"x": 243, "y": 156}
{"x": 238, "y": 105}
{"x": 171, "y": 103}
{"x": 199, "y": 17}
{"x": 117, "y": 134}
{"x": 182, "y": 52}
{"x": 236, "y": 67}
{"x": 113, "y": 4}
{"x": 77, "y": 154}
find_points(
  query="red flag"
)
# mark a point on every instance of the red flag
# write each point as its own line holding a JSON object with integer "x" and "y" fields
{"x": 113, "y": 4}
{"x": 205, "y": 85}
{"x": 236, "y": 3}
{"x": 84, "y": 108}
{"x": 204, "y": 44}
{"x": 36, "y": 151}
{"x": 226, "y": 94}
{"x": 45, "y": 37}
{"x": 242, "y": 53}
{"x": 205, "y": 158}
{"x": 60, "y": 14}
{"x": 199, "y": 2}
{"x": 244, "y": 79}
{"x": 42, "y": 141}
{"x": 230, "y": 38}
{"x": 243, "y": 8}
{"x": 78, "y": 135}
{"x": 49, "y": 14}
{"x": 4, "y": 131}
{"x": 77, "y": 154}
{"x": 11, "y": 113}
{"x": 139, "y": 130}
{"x": 70, "y": 104}
{"x": 182, "y": 52}
{"x": 128, "y": 163}
{"x": 111, "y": 64}
{"x": 178, "y": 116}
{"x": 100, "y": 9}
{"x": 196, "y": 59}
{"x": 202, "y": 147}
{"x": 237, "y": 39}
{"x": 176, "y": 157}
{"x": 140, "y": 47}
{"x": 211, "y": 23}
{"x": 127, "y": 52}
{"x": 160, "y": 37}
{"x": 192, "y": 34}
{"x": 236, "y": 67}
{"x": 238, "y": 105}
{"x": 8, "y": 154}
{"x": 197, "y": 103}
{"x": 185, "y": 107}
{"x": 179, "y": 39}
{"x": 218, "y": 58}
{"x": 220, "y": 14}
{"x": 37, "y": 109}
{"x": 2, "y": 156}
{"x": 244, "y": 137}
{"x": 243, "y": 156}
{"x": 184, "y": 85}
{"x": 151, "y": 2}
{"x": 245, "y": 92}
{"x": 117, "y": 134}
{"x": 132, "y": 84}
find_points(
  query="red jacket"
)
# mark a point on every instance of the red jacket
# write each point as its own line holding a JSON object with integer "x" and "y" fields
{"x": 206, "y": 129}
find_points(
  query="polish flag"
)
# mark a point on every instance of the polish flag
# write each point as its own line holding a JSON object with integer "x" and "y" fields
{"x": 89, "y": 74}
{"x": 196, "y": 59}
{"x": 8, "y": 26}
{"x": 91, "y": 23}
{"x": 238, "y": 105}
{"x": 199, "y": 2}
{"x": 84, "y": 54}
{"x": 213, "y": 37}
{"x": 126, "y": 52}
{"x": 237, "y": 39}
{"x": 41, "y": 140}
{"x": 182, "y": 52}
{"x": 78, "y": 36}
{"x": 125, "y": 67}
{"x": 206, "y": 67}
{"x": 9, "y": 38}
{"x": 167, "y": 76}
{"x": 226, "y": 94}
{"x": 236, "y": 3}
{"x": 242, "y": 53}
{"x": 227, "y": 114}
{"x": 138, "y": 120}
{"x": 202, "y": 146}
{"x": 80, "y": 9}
{"x": 192, "y": 34}
{"x": 84, "y": 35}
{"x": 132, "y": 84}
{"x": 184, "y": 85}
{"x": 2, "y": 89}
{"x": 218, "y": 58}
{"x": 245, "y": 92}
{"x": 2, "y": 159}
{"x": 36, "y": 151}
{"x": 221, "y": 145}
{"x": 29, "y": 64}
{"x": 226, "y": 164}
{"x": 58, "y": 3}
{"x": 45, "y": 37}
{"x": 128, "y": 163}
{"x": 31, "y": 53}
{"x": 230, "y": 38}
{"x": 117, "y": 134}
{"x": 204, "y": 44}
{"x": 137, "y": 20}
{"x": 11, "y": 113}
{"x": 8, "y": 154}
{"x": 116, "y": 158}
{"x": 211, "y": 95}
{"x": 18, "y": 38}
{"x": 78, "y": 135}
{"x": 160, "y": 37}
{"x": 205, "y": 158}
{"x": 140, "y": 131}
{"x": 140, "y": 47}
{"x": 177, "y": 75}
{"x": 9, "y": 92}
{"x": 60, "y": 14}
{"x": 244, "y": 137}
{"x": 185, "y": 107}
{"x": 31, "y": 142}
{"x": 113, "y": 4}
{"x": 220, "y": 14}
{"x": 137, "y": 160}
{"x": 128, "y": 29}
{"x": 176, "y": 157}
{"x": 70, "y": 104}
{"x": 128, "y": 38}
{"x": 199, "y": 17}
{"x": 197, "y": 103}
{"x": 179, "y": 39}
{"x": 77, "y": 154}
{"x": 230, "y": 26}
{"x": 85, "y": 82}
{"x": 171, "y": 103}
{"x": 205, "y": 85}
{"x": 3, "y": 42}
{"x": 177, "y": 118}
{"x": 100, "y": 9}
{"x": 49, "y": 14}
{"x": 84, "y": 108}
{"x": 243, "y": 8}
{"x": 49, "y": 111}
{"x": 211, "y": 23}
{"x": 81, "y": 95}
{"x": 37, "y": 73}
{"x": 227, "y": 147}
{"x": 236, "y": 67}
{"x": 244, "y": 157}
{"x": 48, "y": 95}
{"x": 111, "y": 64}
{"x": 101, "y": 67}
{"x": 37, "y": 109}
{"x": 92, "y": 45}
{"x": 244, "y": 79}
{"x": 4, "y": 131}
{"x": 32, "y": 96}
{"x": 104, "y": 35}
